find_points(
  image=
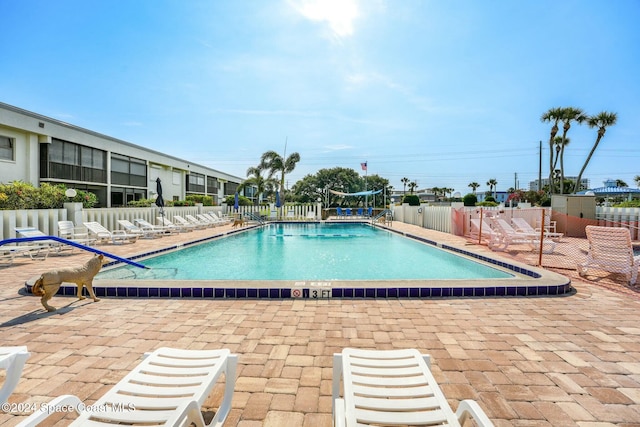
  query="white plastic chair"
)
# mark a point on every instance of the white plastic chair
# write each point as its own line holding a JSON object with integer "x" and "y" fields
{"x": 610, "y": 249}
{"x": 393, "y": 387}
{"x": 12, "y": 359}
{"x": 167, "y": 388}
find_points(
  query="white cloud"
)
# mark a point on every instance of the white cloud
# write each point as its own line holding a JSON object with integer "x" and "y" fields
{"x": 339, "y": 15}
{"x": 339, "y": 147}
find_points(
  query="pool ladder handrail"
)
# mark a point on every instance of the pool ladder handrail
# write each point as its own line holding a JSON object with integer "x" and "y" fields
{"x": 386, "y": 213}
{"x": 254, "y": 217}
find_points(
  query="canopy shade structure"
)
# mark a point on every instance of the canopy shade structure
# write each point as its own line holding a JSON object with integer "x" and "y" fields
{"x": 612, "y": 191}
{"x": 360, "y": 193}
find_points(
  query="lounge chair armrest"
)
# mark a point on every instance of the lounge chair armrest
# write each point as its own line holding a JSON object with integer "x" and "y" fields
{"x": 59, "y": 404}
{"x": 339, "y": 417}
{"x": 471, "y": 409}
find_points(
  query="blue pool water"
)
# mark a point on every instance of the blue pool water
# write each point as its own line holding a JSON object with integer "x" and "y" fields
{"x": 314, "y": 251}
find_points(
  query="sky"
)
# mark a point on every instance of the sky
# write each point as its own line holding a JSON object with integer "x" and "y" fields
{"x": 444, "y": 93}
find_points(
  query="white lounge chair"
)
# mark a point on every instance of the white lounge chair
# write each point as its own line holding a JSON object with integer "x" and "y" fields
{"x": 68, "y": 230}
{"x": 99, "y": 232}
{"x": 210, "y": 220}
{"x": 159, "y": 228}
{"x": 393, "y": 387}
{"x": 218, "y": 219}
{"x": 197, "y": 225}
{"x": 610, "y": 249}
{"x": 522, "y": 226}
{"x": 508, "y": 236}
{"x": 192, "y": 219}
{"x": 47, "y": 245}
{"x": 12, "y": 359}
{"x": 167, "y": 388}
{"x": 144, "y": 232}
{"x": 488, "y": 234}
{"x": 177, "y": 227}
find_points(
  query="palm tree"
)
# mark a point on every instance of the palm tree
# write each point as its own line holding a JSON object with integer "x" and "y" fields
{"x": 620, "y": 183}
{"x": 492, "y": 183}
{"x": 412, "y": 186}
{"x": 275, "y": 163}
{"x": 404, "y": 182}
{"x": 637, "y": 180}
{"x": 553, "y": 115}
{"x": 257, "y": 180}
{"x": 559, "y": 144}
{"x": 474, "y": 186}
{"x": 601, "y": 121}
{"x": 569, "y": 114}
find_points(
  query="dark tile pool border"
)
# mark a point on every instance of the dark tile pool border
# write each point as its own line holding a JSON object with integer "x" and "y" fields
{"x": 375, "y": 290}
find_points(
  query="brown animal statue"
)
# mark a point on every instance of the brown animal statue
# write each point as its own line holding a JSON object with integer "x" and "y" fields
{"x": 238, "y": 222}
{"x": 48, "y": 284}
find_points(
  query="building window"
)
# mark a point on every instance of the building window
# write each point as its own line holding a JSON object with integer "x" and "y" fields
{"x": 74, "y": 162}
{"x": 230, "y": 188}
{"x": 195, "y": 184}
{"x": 6, "y": 148}
{"x": 212, "y": 186}
{"x": 127, "y": 170}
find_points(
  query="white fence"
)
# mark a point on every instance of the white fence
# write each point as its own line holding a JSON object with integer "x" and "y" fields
{"x": 440, "y": 218}
{"x": 46, "y": 220}
{"x": 431, "y": 217}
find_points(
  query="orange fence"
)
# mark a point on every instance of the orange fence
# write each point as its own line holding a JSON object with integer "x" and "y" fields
{"x": 541, "y": 237}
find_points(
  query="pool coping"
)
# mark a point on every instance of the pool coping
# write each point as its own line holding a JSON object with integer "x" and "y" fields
{"x": 524, "y": 283}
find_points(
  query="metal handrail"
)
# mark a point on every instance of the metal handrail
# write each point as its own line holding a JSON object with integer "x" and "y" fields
{"x": 72, "y": 243}
{"x": 254, "y": 217}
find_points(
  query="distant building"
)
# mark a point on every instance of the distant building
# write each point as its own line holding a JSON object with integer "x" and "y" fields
{"x": 425, "y": 195}
{"x": 37, "y": 149}
{"x": 533, "y": 185}
{"x": 500, "y": 196}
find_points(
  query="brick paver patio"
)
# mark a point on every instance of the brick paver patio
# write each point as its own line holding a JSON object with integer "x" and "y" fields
{"x": 535, "y": 361}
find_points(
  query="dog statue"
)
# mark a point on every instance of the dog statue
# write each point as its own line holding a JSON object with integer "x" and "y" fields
{"x": 48, "y": 283}
{"x": 238, "y": 222}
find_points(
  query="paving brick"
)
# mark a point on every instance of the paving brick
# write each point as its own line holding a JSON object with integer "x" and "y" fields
{"x": 529, "y": 362}
{"x": 257, "y": 406}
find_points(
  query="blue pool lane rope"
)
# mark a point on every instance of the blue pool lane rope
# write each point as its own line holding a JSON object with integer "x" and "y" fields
{"x": 72, "y": 243}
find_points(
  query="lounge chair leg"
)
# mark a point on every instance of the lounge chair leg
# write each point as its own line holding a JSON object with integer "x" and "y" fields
{"x": 230, "y": 383}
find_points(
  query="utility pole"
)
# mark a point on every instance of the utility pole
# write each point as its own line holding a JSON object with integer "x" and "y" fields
{"x": 540, "y": 168}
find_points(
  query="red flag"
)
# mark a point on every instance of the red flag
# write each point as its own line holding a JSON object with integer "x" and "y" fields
{"x": 363, "y": 166}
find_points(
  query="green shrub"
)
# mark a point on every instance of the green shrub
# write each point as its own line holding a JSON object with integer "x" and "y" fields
{"x": 22, "y": 195}
{"x": 489, "y": 199}
{"x": 628, "y": 204}
{"x": 487, "y": 203}
{"x": 142, "y": 203}
{"x": 242, "y": 201}
{"x": 411, "y": 199}
{"x": 184, "y": 203}
{"x": 470, "y": 199}
{"x": 200, "y": 198}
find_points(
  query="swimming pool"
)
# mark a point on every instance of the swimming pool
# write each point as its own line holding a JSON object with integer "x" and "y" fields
{"x": 521, "y": 280}
{"x": 311, "y": 251}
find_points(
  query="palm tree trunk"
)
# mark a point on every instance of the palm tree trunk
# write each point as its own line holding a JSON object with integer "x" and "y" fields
{"x": 586, "y": 162}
